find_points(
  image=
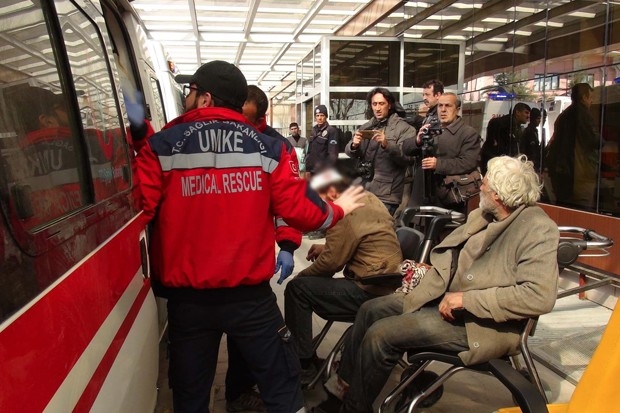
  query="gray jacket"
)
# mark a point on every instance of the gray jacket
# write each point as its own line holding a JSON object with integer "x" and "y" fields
{"x": 389, "y": 164}
{"x": 515, "y": 277}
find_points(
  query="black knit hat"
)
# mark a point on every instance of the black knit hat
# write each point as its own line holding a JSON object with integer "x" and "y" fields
{"x": 321, "y": 109}
{"x": 222, "y": 79}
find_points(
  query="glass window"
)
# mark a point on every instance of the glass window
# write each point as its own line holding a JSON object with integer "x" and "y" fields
{"x": 548, "y": 82}
{"x": 427, "y": 61}
{"x": 364, "y": 63}
{"x": 96, "y": 100}
{"x": 40, "y": 148}
{"x": 348, "y": 106}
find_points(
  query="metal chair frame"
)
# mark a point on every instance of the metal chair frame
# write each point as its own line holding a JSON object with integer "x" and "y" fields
{"x": 439, "y": 219}
{"x": 569, "y": 249}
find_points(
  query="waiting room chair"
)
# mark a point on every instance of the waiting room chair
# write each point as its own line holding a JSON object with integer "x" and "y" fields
{"x": 596, "y": 391}
{"x": 410, "y": 241}
{"x": 414, "y": 245}
{"x": 421, "y": 388}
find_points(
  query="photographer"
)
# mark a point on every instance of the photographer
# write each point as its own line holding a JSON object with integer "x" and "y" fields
{"x": 453, "y": 152}
{"x": 381, "y": 163}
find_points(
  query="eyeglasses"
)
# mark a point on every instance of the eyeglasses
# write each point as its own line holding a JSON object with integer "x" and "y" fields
{"x": 187, "y": 89}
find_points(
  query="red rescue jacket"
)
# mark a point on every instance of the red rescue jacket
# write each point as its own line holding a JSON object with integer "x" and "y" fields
{"x": 212, "y": 185}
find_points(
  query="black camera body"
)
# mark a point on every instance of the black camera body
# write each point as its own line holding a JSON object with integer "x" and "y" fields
{"x": 365, "y": 170}
{"x": 428, "y": 135}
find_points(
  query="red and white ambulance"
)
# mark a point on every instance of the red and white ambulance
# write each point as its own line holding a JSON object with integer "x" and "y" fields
{"x": 79, "y": 324}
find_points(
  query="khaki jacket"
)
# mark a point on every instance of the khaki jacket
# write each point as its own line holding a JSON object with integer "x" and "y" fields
{"x": 515, "y": 277}
{"x": 363, "y": 243}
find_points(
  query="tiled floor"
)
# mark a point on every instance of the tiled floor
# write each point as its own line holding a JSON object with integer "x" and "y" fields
{"x": 467, "y": 391}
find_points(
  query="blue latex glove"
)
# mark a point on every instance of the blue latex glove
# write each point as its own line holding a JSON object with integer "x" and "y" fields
{"x": 135, "y": 109}
{"x": 286, "y": 262}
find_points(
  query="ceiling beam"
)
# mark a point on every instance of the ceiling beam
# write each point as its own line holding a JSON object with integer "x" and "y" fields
{"x": 247, "y": 29}
{"x": 529, "y": 20}
{"x": 194, "y": 18}
{"x": 490, "y": 8}
{"x": 405, "y": 25}
{"x": 312, "y": 13}
{"x": 367, "y": 18}
{"x": 574, "y": 27}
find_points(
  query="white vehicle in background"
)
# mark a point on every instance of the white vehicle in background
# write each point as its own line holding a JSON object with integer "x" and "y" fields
{"x": 172, "y": 92}
{"x": 478, "y": 114}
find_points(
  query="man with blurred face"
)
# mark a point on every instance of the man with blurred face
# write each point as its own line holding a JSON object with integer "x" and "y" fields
{"x": 456, "y": 150}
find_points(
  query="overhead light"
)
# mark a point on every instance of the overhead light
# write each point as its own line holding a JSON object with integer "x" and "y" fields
{"x": 270, "y": 38}
{"x": 496, "y": 20}
{"x": 444, "y": 17}
{"x": 171, "y": 36}
{"x": 223, "y": 37}
{"x": 467, "y": 5}
{"x": 425, "y": 27}
{"x": 582, "y": 14}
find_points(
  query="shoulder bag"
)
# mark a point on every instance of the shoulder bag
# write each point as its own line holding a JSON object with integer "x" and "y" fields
{"x": 457, "y": 189}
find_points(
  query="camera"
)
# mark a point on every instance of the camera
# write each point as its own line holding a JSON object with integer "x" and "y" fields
{"x": 428, "y": 134}
{"x": 365, "y": 170}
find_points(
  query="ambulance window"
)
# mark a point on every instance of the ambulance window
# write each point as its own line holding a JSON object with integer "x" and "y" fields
{"x": 159, "y": 107}
{"x": 101, "y": 121}
{"x": 41, "y": 165}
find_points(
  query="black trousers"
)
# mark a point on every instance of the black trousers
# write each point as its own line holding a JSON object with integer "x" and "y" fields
{"x": 250, "y": 317}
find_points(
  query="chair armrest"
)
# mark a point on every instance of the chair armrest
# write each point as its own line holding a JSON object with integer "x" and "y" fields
{"x": 525, "y": 393}
{"x": 387, "y": 280}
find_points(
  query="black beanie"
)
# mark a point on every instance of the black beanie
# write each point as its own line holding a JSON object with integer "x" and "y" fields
{"x": 321, "y": 109}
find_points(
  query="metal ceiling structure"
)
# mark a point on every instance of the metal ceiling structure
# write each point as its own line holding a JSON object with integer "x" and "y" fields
{"x": 267, "y": 38}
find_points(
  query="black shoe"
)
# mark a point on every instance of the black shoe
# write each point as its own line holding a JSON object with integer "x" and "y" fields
{"x": 249, "y": 401}
{"x": 331, "y": 405}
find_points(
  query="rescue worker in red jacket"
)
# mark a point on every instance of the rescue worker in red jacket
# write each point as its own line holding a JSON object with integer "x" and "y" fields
{"x": 212, "y": 186}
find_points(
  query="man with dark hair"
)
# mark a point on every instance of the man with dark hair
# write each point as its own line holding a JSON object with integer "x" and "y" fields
{"x": 211, "y": 184}
{"x": 240, "y": 394}
{"x": 530, "y": 142}
{"x": 37, "y": 108}
{"x": 431, "y": 90}
{"x": 295, "y": 138}
{"x": 385, "y": 165}
{"x": 299, "y": 143}
{"x": 573, "y": 151}
{"x": 363, "y": 243}
{"x": 504, "y": 134}
{"x": 322, "y": 144}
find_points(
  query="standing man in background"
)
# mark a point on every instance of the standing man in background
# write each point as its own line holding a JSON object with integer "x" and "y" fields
{"x": 323, "y": 144}
{"x": 456, "y": 150}
{"x": 299, "y": 143}
{"x": 530, "y": 141}
{"x": 383, "y": 164}
{"x": 212, "y": 184}
{"x": 573, "y": 152}
{"x": 431, "y": 91}
{"x": 504, "y": 134}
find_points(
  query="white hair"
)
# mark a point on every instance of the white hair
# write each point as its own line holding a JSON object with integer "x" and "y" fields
{"x": 514, "y": 180}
